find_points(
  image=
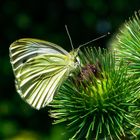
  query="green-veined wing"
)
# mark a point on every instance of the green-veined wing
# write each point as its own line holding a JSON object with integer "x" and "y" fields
{"x": 40, "y": 67}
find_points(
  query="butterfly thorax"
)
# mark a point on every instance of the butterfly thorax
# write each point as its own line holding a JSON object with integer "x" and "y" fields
{"x": 72, "y": 64}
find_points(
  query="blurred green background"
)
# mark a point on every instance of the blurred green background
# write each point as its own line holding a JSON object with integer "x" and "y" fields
{"x": 86, "y": 19}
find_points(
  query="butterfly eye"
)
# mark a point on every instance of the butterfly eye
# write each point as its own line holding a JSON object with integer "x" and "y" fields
{"x": 77, "y": 60}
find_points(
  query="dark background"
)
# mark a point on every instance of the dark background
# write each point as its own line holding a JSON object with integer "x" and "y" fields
{"x": 86, "y": 19}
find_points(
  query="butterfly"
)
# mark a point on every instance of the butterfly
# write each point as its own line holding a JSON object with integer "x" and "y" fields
{"x": 40, "y": 68}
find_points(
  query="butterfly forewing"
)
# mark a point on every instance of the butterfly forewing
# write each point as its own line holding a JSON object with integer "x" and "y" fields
{"x": 40, "y": 67}
{"x": 24, "y": 49}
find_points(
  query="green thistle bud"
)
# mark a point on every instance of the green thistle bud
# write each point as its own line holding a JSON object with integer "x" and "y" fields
{"x": 127, "y": 45}
{"x": 98, "y": 101}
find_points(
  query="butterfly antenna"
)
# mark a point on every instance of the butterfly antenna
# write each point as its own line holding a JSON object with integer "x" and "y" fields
{"x": 69, "y": 36}
{"x": 94, "y": 40}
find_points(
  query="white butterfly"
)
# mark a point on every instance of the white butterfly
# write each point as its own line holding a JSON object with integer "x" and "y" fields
{"x": 40, "y": 68}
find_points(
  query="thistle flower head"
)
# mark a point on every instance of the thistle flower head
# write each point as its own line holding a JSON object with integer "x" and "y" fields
{"x": 97, "y": 102}
{"x": 127, "y": 47}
